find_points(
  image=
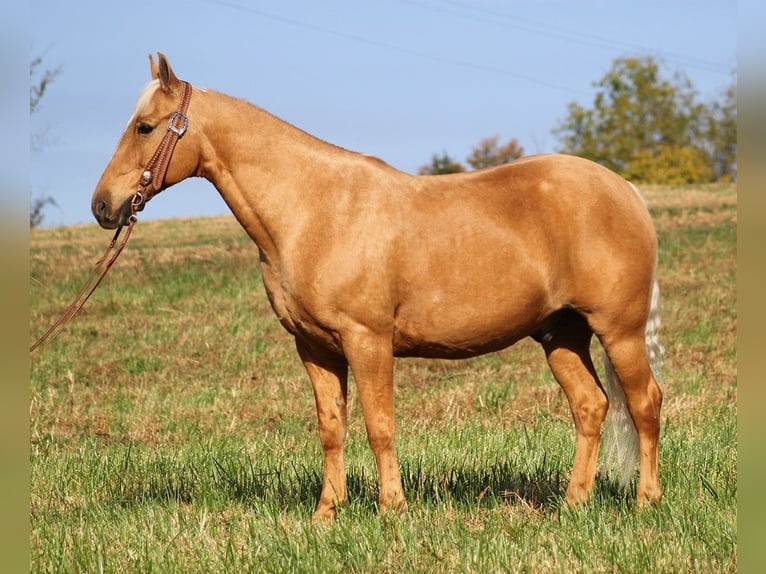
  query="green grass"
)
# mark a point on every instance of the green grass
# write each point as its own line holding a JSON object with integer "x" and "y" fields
{"x": 173, "y": 427}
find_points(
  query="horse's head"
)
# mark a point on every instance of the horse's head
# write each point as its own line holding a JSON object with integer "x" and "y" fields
{"x": 111, "y": 203}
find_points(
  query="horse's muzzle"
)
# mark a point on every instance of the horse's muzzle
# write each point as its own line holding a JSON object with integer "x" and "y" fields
{"x": 107, "y": 218}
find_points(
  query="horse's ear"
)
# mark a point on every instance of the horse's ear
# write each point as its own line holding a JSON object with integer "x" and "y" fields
{"x": 153, "y": 67}
{"x": 168, "y": 80}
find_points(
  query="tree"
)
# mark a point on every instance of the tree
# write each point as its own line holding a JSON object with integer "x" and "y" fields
{"x": 671, "y": 166}
{"x": 440, "y": 165}
{"x": 489, "y": 154}
{"x": 645, "y": 127}
{"x": 38, "y": 86}
{"x": 36, "y": 208}
{"x": 721, "y": 135}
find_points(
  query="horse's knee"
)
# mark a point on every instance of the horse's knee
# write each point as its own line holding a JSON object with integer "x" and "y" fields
{"x": 332, "y": 433}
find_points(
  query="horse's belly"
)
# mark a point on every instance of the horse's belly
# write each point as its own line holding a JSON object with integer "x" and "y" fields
{"x": 460, "y": 335}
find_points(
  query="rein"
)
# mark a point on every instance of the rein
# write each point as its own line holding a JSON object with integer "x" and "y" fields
{"x": 153, "y": 174}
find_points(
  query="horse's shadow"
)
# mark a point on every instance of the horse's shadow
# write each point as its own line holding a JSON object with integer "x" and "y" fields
{"x": 237, "y": 479}
{"x": 485, "y": 486}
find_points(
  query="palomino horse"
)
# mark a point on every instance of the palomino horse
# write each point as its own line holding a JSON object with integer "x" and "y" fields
{"x": 363, "y": 263}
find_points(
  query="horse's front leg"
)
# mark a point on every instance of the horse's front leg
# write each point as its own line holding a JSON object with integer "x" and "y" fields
{"x": 329, "y": 378}
{"x": 371, "y": 359}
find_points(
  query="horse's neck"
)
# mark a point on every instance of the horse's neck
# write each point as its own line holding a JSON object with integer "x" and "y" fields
{"x": 266, "y": 170}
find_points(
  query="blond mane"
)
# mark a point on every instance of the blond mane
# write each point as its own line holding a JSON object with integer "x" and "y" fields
{"x": 143, "y": 99}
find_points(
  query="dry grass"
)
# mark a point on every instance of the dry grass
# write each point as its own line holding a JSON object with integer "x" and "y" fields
{"x": 692, "y": 206}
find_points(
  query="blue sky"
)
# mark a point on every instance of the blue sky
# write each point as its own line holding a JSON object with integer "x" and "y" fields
{"x": 399, "y": 79}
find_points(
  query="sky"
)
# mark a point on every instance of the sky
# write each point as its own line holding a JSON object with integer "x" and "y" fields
{"x": 398, "y": 79}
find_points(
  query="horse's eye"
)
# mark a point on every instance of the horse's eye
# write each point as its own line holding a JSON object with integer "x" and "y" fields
{"x": 144, "y": 129}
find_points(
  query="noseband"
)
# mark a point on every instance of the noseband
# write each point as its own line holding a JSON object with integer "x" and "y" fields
{"x": 149, "y": 185}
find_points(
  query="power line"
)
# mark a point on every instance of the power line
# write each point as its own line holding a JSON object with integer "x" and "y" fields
{"x": 393, "y": 47}
{"x": 496, "y": 18}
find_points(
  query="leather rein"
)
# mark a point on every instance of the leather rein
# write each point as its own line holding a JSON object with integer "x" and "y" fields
{"x": 149, "y": 185}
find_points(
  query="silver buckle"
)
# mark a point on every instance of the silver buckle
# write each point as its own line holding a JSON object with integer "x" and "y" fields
{"x": 179, "y": 131}
{"x": 138, "y": 202}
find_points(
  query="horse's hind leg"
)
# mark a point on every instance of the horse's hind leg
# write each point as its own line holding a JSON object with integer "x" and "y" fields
{"x": 628, "y": 356}
{"x": 567, "y": 348}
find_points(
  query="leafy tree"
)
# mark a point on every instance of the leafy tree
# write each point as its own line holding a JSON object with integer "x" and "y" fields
{"x": 721, "y": 135}
{"x": 641, "y": 125}
{"x": 39, "y": 84}
{"x": 671, "y": 165}
{"x": 440, "y": 165}
{"x": 488, "y": 153}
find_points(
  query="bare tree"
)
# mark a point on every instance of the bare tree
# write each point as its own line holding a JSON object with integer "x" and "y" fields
{"x": 39, "y": 83}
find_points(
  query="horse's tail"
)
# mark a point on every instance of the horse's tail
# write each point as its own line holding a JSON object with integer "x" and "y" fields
{"x": 620, "y": 436}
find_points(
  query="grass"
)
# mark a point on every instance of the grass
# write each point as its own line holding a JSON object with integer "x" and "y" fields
{"x": 173, "y": 427}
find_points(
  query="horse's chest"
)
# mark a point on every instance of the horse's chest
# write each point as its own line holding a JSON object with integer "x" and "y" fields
{"x": 295, "y": 310}
{"x": 283, "y": 304}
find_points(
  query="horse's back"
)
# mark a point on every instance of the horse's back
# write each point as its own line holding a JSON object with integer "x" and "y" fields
{"x": 488, "y": 256}
{"x": 554, "y": 211}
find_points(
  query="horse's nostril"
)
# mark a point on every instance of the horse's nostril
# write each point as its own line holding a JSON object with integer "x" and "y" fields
{"x": 104, "y": 214}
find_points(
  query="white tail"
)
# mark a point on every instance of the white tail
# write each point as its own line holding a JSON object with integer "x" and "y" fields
{"x": 620, "y": 439}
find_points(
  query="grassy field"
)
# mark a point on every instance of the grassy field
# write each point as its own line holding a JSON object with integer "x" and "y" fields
{"x": 173, "y": 427}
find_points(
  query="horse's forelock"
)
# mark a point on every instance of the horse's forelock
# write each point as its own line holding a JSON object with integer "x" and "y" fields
{"x": 144, "y": 98}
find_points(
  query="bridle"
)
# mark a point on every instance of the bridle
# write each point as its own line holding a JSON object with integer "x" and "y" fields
{"x": 155, "y": 170}
{"x": 149, "y": 185}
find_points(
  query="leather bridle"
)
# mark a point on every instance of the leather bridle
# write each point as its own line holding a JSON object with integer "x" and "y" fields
{"x": 149, "y": 185}
{"x": 155, "y": 170}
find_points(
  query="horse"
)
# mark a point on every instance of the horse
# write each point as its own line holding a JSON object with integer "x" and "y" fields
{"x": 363, "y": 263}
